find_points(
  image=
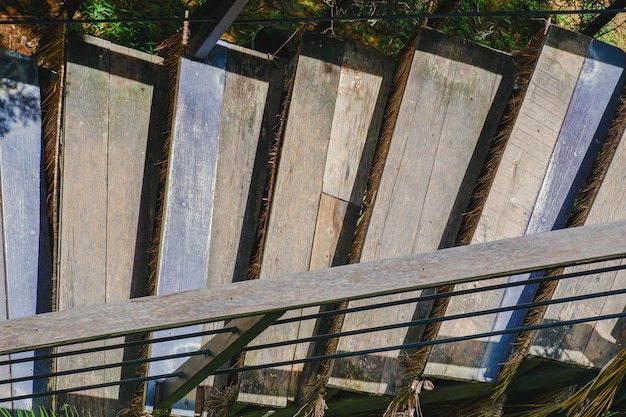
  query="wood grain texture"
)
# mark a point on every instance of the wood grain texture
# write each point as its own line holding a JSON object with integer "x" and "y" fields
{"x": 447, "y": 266}
{"x": 329, "y": 249}
{"x": 104, "y": 163}
{"x": 82, "y": 240}
{"x": 515, "y": 191}
{"x": 21, "y": 186}
{"x": 443, "y": 125}
{"x": 584, "y": 129}
{"x": 356, "y": 122}
{"x": 253, "y": 91}
{"x": 251, "y": 86}
{"x": 295, "y": 206}
{"x": 334, "y": 117}
{"x": 591, "y": 344}
{"x": 190, "y": 186}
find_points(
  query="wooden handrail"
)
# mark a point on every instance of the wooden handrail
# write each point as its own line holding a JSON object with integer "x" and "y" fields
{"x": 448, "y": 266}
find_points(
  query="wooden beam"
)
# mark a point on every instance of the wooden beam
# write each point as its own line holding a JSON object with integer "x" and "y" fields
{"x": 221, "y": 16}
{"x": 220, "y": 349}
{"x": 459, "y": 264}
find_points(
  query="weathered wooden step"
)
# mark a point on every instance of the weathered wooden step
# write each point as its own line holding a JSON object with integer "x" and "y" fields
{"x": 334, "y": 117}
{"x": 454, "y": 98}
{"x": 225, "y": 110}
{"x": 561, "y": 123}
{"x": 24, "y": 240}
{"x": 114, "y": 113}
{"x": 591, "y": 344}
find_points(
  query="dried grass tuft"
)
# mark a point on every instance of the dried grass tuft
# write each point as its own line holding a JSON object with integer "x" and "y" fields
{"x": 51, "y": 54}
{"x": 218, "y": 402}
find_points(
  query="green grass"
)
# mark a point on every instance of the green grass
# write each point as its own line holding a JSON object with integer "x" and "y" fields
{"x": 143, "y": 36}
{"x": 68, "y": 411}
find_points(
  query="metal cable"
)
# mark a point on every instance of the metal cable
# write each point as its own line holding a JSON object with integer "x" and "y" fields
{"x": 312, "y": 19}
{"x": 118, "y": 346}
{"x": 437, "y": 319}
{"x": 430, "y": 297}
{"x": 86, "y": 387}
{"x": 106, "y": 366}
{"x": 421, "y": 344}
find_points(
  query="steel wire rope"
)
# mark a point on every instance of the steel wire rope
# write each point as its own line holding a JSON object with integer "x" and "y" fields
{"x": 422, "y": 344}
{"x": 94, "y": 386}
{"x": 331, "y": 356}
{"x": 430, "y": 297}
{"x": 117, "y": 346}
{"x": 312, "y": 19}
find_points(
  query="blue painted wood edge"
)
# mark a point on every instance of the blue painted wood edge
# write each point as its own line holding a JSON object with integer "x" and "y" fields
{"x": 584, "y": 129}
{"x": 184, "y": 253}
{"x": 26, "y": 239}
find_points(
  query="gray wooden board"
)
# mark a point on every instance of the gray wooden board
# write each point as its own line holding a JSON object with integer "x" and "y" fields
{"x": 515, "y": 191}
{"x": 584, "y": 128}
{"x": 334, "y": 117}
{"x": 456, "y": 93}
{"x": 591, "y": 344}
{"x": 252, "y": 87}
{"x": 252, "y": 91}
{"x": 103, "y": 176}
{"x": 21, "y": 188}
{"x": 363, "y": 90}
{"x": 295, "y": 203}
{"x": 188, "y": 204}
{"x": 482, "y": 261}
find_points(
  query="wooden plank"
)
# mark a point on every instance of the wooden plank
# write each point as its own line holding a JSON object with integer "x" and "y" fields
{"x": 584, "y": 128}
{"x": 295, "y": 203}
{"x": 316, "y": 204}
{"x": 253, "y": 88}
{"x": 364, "y": 86}
{"x": 447, "y": 266}
{"x": 514, "y": 191}
{"x": 455, "y": 94}
{"x": 590, "y": 344}
{"x": 555, "y": 138}
{"x": 188, "y": 205}
{"x": 220, "y": 15}
{"x": 356, "y": 122}
{"x": 105, "y": 159}
{"x": 23, "y": 225}
{"x": 82, "y": 240}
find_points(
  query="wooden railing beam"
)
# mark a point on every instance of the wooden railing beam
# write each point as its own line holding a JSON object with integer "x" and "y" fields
{"x": 448, "y": 266}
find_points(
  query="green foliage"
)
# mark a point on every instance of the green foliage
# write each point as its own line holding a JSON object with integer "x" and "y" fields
{"x": 141, "y": 35}
{"x": 68, "y": 411}
{"x": 505, "y": 33}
